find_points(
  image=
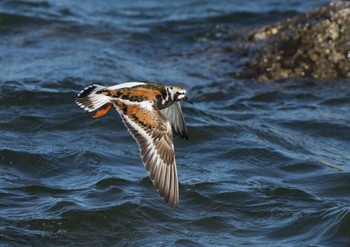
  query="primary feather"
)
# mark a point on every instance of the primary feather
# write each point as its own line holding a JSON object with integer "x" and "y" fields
{"x": 152, "y": 113}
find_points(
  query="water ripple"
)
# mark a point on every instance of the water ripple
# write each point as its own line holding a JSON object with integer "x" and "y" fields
{"x": 266, "y": 164}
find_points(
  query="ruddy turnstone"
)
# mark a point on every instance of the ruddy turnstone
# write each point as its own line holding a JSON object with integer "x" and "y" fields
{"x": 152, "y": 113}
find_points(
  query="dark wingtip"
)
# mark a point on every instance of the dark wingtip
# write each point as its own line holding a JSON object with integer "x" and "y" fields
{"x": 183, "y": 135}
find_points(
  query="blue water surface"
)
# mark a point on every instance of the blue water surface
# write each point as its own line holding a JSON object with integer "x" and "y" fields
{"x": 266, "y": 164}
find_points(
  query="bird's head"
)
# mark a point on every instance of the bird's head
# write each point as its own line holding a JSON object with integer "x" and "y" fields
{"x": 178, "y": 94}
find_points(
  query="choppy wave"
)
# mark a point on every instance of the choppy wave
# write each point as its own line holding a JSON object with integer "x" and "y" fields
{"x": 265, "y": 165}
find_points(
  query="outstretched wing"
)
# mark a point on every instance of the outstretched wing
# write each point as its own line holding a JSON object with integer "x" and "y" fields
{"x": 174, "y": 115}
{"x": 153, "y": 133}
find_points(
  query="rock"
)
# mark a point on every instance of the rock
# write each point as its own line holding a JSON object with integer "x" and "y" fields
{"x": 315, "y": 44}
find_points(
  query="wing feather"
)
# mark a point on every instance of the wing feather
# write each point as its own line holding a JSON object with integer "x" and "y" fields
{"x": 153, "y": 133}
{"x": 174, "y": 115}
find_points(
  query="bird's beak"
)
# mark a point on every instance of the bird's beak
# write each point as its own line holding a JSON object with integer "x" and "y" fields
{"x": 187, "y": 100}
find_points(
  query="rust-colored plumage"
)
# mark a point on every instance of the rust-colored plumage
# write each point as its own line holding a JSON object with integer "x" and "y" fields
{"x": 103, "y": 111}
{"x": 152, "y": 113}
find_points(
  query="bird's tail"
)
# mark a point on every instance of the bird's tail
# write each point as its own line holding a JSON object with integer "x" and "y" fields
{"x": 92, "y": 98}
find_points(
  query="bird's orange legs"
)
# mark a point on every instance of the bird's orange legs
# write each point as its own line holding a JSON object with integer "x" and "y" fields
{"x": 102, "y": 111}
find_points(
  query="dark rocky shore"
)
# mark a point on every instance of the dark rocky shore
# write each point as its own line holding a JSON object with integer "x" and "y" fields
{"x": 314, "y": 45}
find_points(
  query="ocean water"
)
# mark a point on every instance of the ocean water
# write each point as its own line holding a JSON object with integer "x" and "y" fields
{"x": 266, "y": 164}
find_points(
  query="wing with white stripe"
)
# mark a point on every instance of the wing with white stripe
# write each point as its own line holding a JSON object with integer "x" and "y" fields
{"x": 125, "y": 85}
{"x": 153, "y": 134}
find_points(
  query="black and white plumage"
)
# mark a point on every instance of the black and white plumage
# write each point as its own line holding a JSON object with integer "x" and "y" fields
{"x": 152, "y": 113}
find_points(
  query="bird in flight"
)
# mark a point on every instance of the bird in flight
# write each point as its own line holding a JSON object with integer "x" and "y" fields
{"x": 152, "y": 114}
